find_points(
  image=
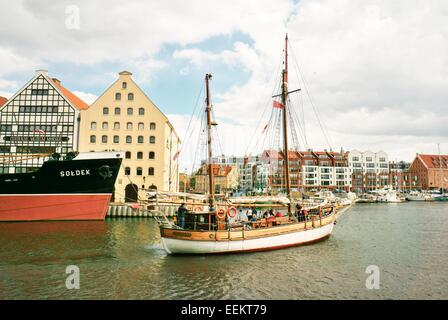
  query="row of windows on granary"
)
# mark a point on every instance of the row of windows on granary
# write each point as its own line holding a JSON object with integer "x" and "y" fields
{"x": 128, "y": 139}
{"x": 129, "y": 111}
{"x": 118, "y": 95}
{"x": 151, "y": 155}
{"x": 138, "y": 171}
{"x": 129, "y": 125}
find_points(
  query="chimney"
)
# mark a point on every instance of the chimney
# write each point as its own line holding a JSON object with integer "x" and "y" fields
{"x": 57, "y": 81}
{"x": 42, "y": 71}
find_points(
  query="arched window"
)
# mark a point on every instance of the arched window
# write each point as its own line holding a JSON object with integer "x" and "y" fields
{"x": 128, "y": 155}
{"x": 150, "y": 171}
{"x": 116, "y": 139}
{"x": 152, "y": 139}
{"x": 139, "y": 155}
{"x": 105, "y": 126}
{"x": 93, "y": 125}
{"x": 118, "y": 96}
{"x": 116, "y": 125}
{"x": 124, "y": 85}
{"x": 117, "y": 111}
{"x": 130, "y": 96}
{"x": 128, "y": 139}
{"x": 103, "y": 139}
{"x": 127, "y": 171}
{"x": 105, "y": 110}
{"x": 139, "y": 171}
{"x": 152, "y": 155}
{"x": 130, "y": 111}
{"x": 92, "y": 139}
{"x": 140, "y": 139}
{"x": 152, "y": 126}
{"x": 141, "y": 111}
{"x": 141, "y": 126}
{"x": 129, "y": 126}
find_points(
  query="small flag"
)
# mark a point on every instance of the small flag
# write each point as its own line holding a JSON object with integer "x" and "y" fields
{"x": 176, "y": 155}
{"x": 277, "y": 104}
{"x": 39, "y": 131}
{"x": 265, "y": 128}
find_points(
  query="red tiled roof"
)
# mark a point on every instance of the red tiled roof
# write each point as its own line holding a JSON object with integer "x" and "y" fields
{"x": 76, "y": 101}
{"x": 3, "y": 100}
{"x": 432, "y": 160}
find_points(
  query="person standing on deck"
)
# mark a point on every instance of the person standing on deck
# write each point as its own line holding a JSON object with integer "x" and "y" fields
{"x": 181, "y": 215}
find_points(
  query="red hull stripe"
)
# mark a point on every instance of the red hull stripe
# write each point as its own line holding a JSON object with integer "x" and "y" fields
{"x": 54, "y": 207}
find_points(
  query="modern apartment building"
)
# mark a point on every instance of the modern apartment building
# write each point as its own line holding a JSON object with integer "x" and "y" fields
{"x": 123, "y": 118}
{"x": 42, "y": 118}
{"x": 369, "y": 170}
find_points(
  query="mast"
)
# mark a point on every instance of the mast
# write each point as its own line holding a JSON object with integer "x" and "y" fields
{"x": 208, "y": 110}
{"x": 441, "y": 170}
{"x": 285, "y": 123}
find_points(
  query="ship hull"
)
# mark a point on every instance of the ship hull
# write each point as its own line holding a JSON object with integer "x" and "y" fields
{"x": 78, "y": 189}
{"x": 268, "y": 239}
{"x": 42, "y": 207}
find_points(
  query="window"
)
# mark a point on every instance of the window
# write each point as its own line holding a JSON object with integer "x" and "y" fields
{"x": 116, "y": 125}
{"x": 128, "y": 155}
{"x": 93, "y": 125}
{"x": 5, "y": 127}
{"x": 117, "y": 111}
{"x": 116, "y": 139}
{"x": 382, "y": 159}
{"x": 152, "y": 139}
{"x": 141, "y": 126}
{"x": 139, "y": 155}
{"x": 124, "y": 85}
{"x": 128, "y": 139}
{"x": 127, "y": 171}
{"x": 152, "y": 126}
{"x": 103, "y": 139}
{"x": 130, "y": 111}
{"x": 152, "y": 155}
{"x": 129, "y": 126}
{"x": 118, "y": 96}
{"x": 355, "y": 159}
{"x": 141, "y": 111}
{"x": 130, "y": 96}
{"x": 105, "y": 126}
{"x": 105, "y": 110}
{"x": 139, "y": 171}
{"x": 140, "y": 139}
{"x": 92, "y": 139}
{"x": 39, "y": 92}
{"x": 5, "y": 149}
{"x": 369, "y": 159}
{"x": 150, "y": 171}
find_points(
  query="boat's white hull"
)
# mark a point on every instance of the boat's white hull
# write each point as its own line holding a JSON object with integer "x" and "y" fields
{"x": 300, "y": 237}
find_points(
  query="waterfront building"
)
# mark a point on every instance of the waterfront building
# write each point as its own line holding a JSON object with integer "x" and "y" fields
{"x": 225, "y": 179}
{"x": 369, "y": 170}
{"x": 399, "y": 175}
{"x": 429, "y": 172}
{"x": 40, "y": 119}
{"x": 123, "y": 118}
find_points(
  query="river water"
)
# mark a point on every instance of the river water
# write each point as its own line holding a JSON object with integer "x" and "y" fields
{"x": 123, "y": 259}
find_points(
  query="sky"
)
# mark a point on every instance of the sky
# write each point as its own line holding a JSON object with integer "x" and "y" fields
{"x": 376, "y": 70}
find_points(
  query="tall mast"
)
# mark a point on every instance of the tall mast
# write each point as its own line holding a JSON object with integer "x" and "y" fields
{"x": 285, "y": 123}
{"x": 441, "y": 170}
{"x": 208, "y": 110}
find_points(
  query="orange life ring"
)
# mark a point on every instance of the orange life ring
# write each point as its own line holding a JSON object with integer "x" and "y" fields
{"x": 221, "y": 213}
{"x": 229, "y": 212}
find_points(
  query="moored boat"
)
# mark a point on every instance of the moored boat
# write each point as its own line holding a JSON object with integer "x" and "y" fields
{"x": 74, "y": 188}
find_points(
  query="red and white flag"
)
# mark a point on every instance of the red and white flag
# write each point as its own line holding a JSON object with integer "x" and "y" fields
{"x": 39, "y": 131}
{"x": 277, "y": 104}
{"x": 176, "y": 155}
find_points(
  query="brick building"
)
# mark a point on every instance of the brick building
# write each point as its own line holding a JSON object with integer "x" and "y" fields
{"x": 429, "y": 172}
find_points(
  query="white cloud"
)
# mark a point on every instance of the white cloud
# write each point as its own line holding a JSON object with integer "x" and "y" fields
{"x": 88, "y": 98}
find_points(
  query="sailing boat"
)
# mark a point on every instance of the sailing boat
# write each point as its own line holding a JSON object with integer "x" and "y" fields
{"x": 209, "y": 228}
